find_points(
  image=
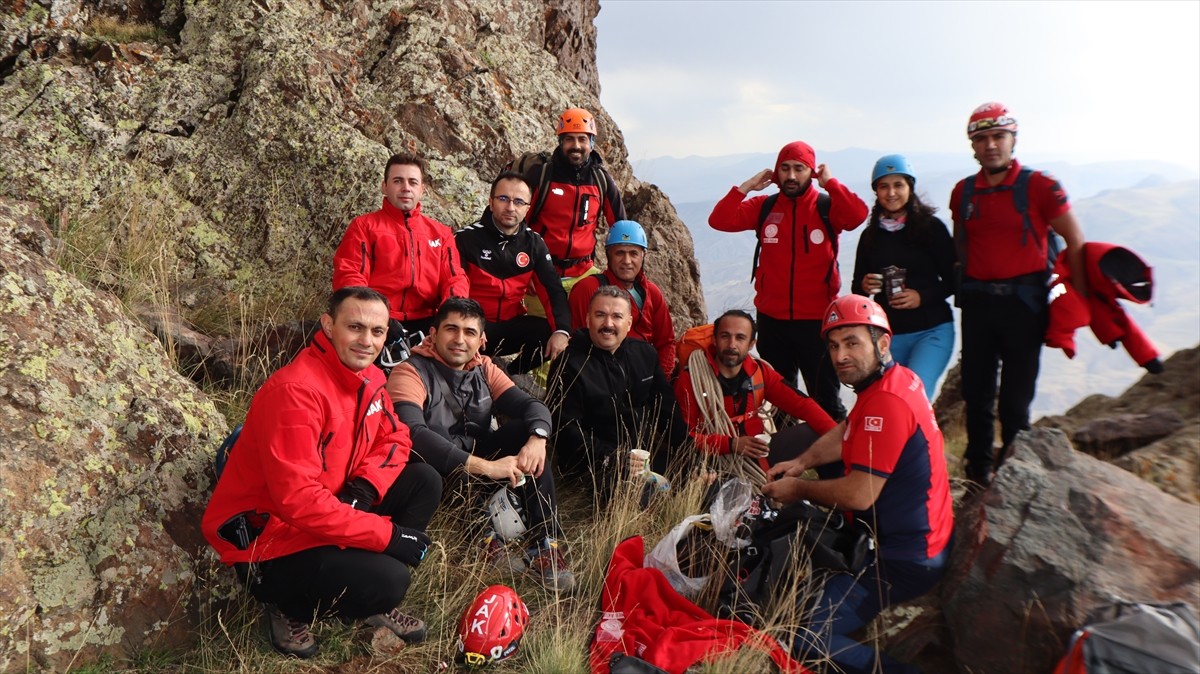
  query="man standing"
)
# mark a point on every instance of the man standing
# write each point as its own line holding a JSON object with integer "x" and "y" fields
{"x": 612, "y": 394}
{"x": 570, "y": 192}
{"x": 446, "y": 393}
{"x": 746, "y": 383}
{"x": 798, "y": 276}
{"x": 894, "y": 481}
{"x": 1002, "y": 221}
{"x": 626, "y": 252}
{"x": 501, "y": 257}
{"x": 400, "y": 252}
{"x": 297, "y": 510}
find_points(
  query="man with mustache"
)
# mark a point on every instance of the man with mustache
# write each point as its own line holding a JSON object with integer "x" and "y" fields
{"x": 746, "y": 383}
{"x": 505, "y": 261}
{"x": 626, "y": 248}
{"x": 570, "y": 193}
{"x": 446, "y": 393}
{"x": 893, "y": 479}
{"x": 798, "y": 276}
{"x": 399, "y": 251}
{"x": 1003, "y": 217}
{"x": 613, "y": 395}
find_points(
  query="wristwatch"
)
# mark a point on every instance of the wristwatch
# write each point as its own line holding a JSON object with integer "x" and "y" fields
{"x": 541, "y": 433}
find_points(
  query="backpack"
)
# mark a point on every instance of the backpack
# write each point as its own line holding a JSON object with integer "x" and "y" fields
{"x": 527, "y": 162}
{"x": 800, "y": 537}
{"x": 1129, "y": 638}
{"x": 823, "y": 204}
{"x": 1020, "y": 192}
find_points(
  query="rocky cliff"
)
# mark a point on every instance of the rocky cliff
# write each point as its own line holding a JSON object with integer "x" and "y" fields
{"x": 197, "y": 161}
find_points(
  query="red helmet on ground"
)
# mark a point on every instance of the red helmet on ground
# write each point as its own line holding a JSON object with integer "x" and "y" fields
{"x": 490, "y": 629}
{"x": 990, "y": 116}
{"x": 850, "y": 310}
{"x": 576, "y": 120}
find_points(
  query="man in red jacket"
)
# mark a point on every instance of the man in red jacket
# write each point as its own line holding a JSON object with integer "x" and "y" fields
{"x": 316, "y": 508}
{"x": 626, "y": 252}
{"x": 576, "y": 191}
{"x": 746, "y": 383}
{"x": 798, "y": 276}
{"x": 400, "y": 252}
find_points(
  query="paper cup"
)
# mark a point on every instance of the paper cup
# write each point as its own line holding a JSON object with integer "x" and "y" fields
{"x": 765, "y": 437}
{"x": 645, "y": 458}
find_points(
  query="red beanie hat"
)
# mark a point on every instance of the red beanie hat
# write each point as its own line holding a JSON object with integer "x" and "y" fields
{"x": 797, "y": 151}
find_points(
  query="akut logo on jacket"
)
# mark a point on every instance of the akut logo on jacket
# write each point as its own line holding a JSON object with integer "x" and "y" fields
{"x": 375, "y": 407}
{"x": 435, "y": 243}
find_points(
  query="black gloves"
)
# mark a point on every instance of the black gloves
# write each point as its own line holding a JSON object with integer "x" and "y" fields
{"x": 359, "y": 494}
{"x": 407, "y": 545}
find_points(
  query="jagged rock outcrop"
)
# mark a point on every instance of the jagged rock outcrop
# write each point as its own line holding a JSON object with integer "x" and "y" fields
{"x": 1151, "y": 430}
{"x": 246, "y": 135}
{"x": 105, "y": 468}
{"x": 1059, "y": 534}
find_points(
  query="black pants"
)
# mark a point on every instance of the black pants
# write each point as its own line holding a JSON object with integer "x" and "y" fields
{"x": 796, "y": 346}
{"x": 351, "y": 583}
{"x": 536, "y": 495}
{"x": 998, "y": 330}
{"x": 523, "y": 335}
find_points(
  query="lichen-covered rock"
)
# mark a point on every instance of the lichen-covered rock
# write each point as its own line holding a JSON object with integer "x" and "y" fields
{"x": 258, "y": 130}
{"x": 105, "y": 468}
{"x": 1059, "y": 534}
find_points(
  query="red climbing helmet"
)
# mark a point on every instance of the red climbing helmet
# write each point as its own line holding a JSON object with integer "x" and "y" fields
{"x": 490, "y": 629}
{"x": 990, "y": 116}
{"x": 850, "y": 310}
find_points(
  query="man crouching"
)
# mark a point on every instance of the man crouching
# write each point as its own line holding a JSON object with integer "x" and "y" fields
{"x": 298, "y": 509}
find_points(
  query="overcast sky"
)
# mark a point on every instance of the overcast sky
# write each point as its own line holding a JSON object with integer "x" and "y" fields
{"x": 1087, "y": 81}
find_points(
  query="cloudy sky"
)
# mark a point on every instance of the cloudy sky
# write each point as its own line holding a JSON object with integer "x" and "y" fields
{"x": 1088, "y": 81}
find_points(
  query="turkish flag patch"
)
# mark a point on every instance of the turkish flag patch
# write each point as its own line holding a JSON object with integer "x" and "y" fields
{"x": 873, "y": 424}
{"x": 522, "y": 259}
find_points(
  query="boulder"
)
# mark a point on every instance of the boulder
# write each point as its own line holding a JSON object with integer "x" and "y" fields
{"x": 1113, "y": 436}
{"x": 105, "y": 470}
{"x": 1059, "y": 534}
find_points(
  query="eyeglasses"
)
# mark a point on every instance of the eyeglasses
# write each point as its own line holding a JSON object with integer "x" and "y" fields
{"x": 506, "y": 200}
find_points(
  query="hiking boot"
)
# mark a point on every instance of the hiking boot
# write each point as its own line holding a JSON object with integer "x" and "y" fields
{"x": 288, "y": 636}
{"x": 411, "y": 630}
{"x": 497, "y": 555}
{"x": 547, "y": 564}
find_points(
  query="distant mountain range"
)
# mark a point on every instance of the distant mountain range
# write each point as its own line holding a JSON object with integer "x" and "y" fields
{"x": 1151, "y": 207}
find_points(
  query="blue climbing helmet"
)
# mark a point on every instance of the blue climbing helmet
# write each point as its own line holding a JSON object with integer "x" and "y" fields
{"x": 892, "y": 164}
{"x": 626, "y": 232}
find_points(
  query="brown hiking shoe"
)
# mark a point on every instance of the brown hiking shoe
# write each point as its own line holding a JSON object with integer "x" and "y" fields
{"x": 288, "y": 636}
{"x": 548, "y": 565}
{"x": 411, "y": 630}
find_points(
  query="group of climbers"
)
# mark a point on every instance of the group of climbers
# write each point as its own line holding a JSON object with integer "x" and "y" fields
{"x": 341, "y": 466}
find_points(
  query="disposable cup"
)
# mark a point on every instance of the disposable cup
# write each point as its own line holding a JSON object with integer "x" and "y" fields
{"x": 645, "y": 458}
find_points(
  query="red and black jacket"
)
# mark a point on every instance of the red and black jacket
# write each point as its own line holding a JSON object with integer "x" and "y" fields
{"x": 571, "y": 210}
{"x": 501, "y": 268}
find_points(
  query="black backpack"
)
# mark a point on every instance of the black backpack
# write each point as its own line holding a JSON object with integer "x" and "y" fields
{"x": 528, "y": 161}
{"x": 823, "y": 204}
{"x": 797, "y": 536}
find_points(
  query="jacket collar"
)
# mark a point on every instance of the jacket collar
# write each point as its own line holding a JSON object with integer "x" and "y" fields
{"x": 1010, "y": 177}
{"x": 397, "y": 214}
{"x": 489, "y": 223}
{"x": 322, "y": 349}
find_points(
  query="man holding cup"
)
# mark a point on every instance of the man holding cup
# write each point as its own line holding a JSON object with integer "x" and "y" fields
{"x": 746, "y": 384}
{"x": 446, "y": 393}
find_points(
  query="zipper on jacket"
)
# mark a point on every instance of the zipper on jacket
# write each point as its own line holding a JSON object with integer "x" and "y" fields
{"x": 322, "y": 447}
{"x": 413, "y": 253}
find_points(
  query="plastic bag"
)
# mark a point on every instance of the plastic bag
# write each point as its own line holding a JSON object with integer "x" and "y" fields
{"x": 728, "y": 509}
{"x": 665, "y": 556}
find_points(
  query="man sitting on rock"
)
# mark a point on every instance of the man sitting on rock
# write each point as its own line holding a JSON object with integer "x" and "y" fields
{"x": 612, "y": 394}
{"x": 746, "y": 383}
{"x": 895, "y": 483}
{"x": 318, "y": 509}
{"x": 446, "y": 393}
